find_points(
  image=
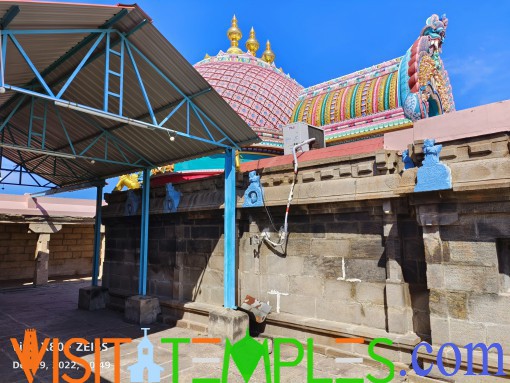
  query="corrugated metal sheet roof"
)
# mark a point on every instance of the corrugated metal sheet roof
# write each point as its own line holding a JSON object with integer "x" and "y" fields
{"x": 87, "y": 89}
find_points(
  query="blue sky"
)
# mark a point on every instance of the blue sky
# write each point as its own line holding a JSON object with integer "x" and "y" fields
{"x": 320, "y": 40}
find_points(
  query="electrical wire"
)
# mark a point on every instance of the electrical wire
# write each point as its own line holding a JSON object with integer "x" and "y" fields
{"x": 283, "y": 232}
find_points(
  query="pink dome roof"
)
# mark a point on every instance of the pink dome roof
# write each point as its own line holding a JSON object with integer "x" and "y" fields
{"x": 259, "y": 92}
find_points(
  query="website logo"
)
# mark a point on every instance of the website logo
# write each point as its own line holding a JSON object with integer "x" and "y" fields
{"x": 246, "y": 356}
{"x": 30, "y": 355}
{"x": 145, "y": 362}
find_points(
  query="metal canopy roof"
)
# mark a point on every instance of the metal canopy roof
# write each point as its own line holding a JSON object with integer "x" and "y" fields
{"x": 97, "y": 91}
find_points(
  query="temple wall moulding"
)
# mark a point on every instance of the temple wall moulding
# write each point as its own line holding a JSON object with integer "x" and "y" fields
{"x": 478, "y": 163}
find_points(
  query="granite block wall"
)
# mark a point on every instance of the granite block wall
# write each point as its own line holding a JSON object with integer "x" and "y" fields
{"x": 185, "y": 256}
{"x": 71, "y": 251}
{"x": 468, "y": 272}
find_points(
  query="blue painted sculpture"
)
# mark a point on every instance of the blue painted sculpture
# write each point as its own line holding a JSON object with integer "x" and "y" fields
{"x": 433, "y": 175}
{"x": 408, "y": 161}
{"x": 172, "y": 199}
{"x": 132, "y": 203}
{"x": 254, "y": 195}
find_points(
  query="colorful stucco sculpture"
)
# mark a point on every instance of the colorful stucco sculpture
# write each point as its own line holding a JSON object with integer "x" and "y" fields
{"x": 361, "y": 105}
{"x": 424, "y": 84}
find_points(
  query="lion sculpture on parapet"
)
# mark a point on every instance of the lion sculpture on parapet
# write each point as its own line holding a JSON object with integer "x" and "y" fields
{"x": 425, "y": 88}
{"x": 435, "y": 28}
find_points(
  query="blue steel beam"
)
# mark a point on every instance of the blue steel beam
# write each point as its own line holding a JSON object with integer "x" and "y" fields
{"x": 229, "y": 268}
{"x": 65, "y": 155}
{"x": 31, "y": 65}
{"x": 3, "y": 51}
{"x": 129, "y": 47}
{"x": 117, "y": 141}
{"x": 45, "y": 156}
{"x": 11, "y": 13}
{"x": 140, "y": 82}
{"x": 125, "y": 43}
{"x": 54, "y": 31}
{"x": 104, "y": 132}
{"x": 200, "y": 119}
{"x": 13, "y": 112}
{"x": 74, "y": 50}
{"x": 57, "y": 112}
{"x": 40, "y": 174}
{"x": 57, "y": 190}
{"x": 144, "y": 233}
{"x": 97, "y": 235}
{"x": 80, "y": 66}
{"x": 21, "y": 160}
{"x": 24, "y": 184}
{"x": 172, "y": 113}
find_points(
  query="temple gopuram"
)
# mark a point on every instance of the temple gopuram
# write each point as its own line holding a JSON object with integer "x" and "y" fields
{"x": 387, "y": 96}
{"x": 362, "y": 105}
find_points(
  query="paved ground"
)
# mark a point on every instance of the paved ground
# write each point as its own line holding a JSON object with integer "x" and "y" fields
{"x": 53, "y": 312}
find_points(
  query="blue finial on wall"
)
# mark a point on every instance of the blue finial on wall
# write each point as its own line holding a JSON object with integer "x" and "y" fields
{"x": 254, "y": 194}
{"x": 132, "y": 203}
{"x": 172, "y": 199}
{"x": 433, "y": 175}
{"x": 408, "y": 161}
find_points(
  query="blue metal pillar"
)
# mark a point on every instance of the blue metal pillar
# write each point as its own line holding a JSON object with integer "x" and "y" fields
{"x": 144, "y": 236}
{"x": 97, "y": 235}
{"x": 229, "y": 269}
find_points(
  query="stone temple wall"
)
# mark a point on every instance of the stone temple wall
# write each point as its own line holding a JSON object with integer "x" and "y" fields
{"x": 185, "y": 256}
{"x": 366, "y": 256}
{"x": 16, "y": 252}
{"x": 70, "y": 251}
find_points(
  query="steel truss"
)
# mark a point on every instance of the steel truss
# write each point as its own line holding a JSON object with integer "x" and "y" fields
{"x": 43, "y": 99}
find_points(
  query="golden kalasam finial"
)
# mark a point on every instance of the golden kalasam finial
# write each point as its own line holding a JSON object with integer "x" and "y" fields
{"x": 207, "y": 56}
{"x": 234, "y": 35}
{"x": 268, "y": 55}
{"x": 252, "y": 45}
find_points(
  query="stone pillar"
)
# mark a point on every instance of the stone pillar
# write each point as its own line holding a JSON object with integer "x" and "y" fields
{"x": 436, "y": 255}
{"x": 93, "y": 298}
{"x": 101, "y": 263}
{"x": 42, "y": 252}
{"x": 228, "y": 324}
{"x": 398, "y": 299}
{"x": 142, "y": 309}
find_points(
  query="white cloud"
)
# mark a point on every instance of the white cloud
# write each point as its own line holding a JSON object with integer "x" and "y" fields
{"x": 480, "y": 79}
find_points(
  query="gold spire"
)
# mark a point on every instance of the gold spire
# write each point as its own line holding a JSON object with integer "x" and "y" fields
{"x": 252, "y": 45}
{"x": 234, "y": 35}
{"x": 207, "y": 56}
{"x": 268, "y": 55}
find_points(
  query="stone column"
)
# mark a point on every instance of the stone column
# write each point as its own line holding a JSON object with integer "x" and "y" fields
{"x": 436, "y": 255}
{"x": 42, "y": 252}
{"x": 96, "y": 297}
{"x": 398, "y": 299}
{"x": 101, "y": 263}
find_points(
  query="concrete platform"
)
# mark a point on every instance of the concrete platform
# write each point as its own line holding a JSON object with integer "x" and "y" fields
{"x": 53, "y": 312}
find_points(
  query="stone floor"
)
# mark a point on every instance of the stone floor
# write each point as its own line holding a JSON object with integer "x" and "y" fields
{"x": 53, "y": 312}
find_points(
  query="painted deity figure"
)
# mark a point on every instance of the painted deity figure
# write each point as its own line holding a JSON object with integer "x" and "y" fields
{"x": 433, "y": 175}
{"x": 253, "y": 196}
{"x": 431, "y": 152}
